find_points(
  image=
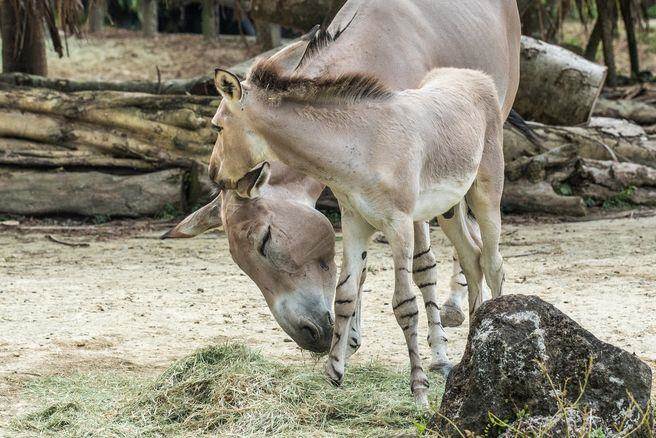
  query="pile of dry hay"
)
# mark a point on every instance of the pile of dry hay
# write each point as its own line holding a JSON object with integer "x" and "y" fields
{"x": 227, "y": 390}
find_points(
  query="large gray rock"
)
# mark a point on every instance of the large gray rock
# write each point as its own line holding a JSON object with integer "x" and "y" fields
{"x": 512, "y": 342}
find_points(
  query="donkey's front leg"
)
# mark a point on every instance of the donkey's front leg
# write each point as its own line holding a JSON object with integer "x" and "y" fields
{"x": 400, "y": 235}
{"x": 356, "y": 233}
{"x": 424, "y": 274}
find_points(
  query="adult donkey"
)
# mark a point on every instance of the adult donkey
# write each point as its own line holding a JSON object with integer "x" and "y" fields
{"x": 278, "y": 239}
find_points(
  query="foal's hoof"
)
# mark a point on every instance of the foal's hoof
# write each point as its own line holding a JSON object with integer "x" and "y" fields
{"x": 333, "y": 375}
{"x": 421, "y": 397}
{"x": 444, "y": 368}
{"x": 451, "y": 316}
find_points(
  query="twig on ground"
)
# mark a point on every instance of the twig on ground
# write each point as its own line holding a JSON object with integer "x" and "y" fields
{"x": 71, "y": 244}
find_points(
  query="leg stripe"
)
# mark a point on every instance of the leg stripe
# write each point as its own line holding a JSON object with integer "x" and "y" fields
{"x": 354, "y": 340}
{"x": 431, "y": 303}
{"x": 343, "y": 316}
{"x": 344, "y": 281}
{"x": 338, "y": 336}
{"x": 462, "y": 284}
{"x": 404, "y": 302}
{"x": 354, "y": 346}
{"x": 423, "y": 285}
{"x": 416, "y": 256}
{"x": 409, "y": 315}
{"x": 343, "y": 301}
{"x": 424, "y": 269}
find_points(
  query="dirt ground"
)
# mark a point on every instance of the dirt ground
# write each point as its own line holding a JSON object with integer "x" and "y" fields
{"x": 118, "y": 55}
{"x": 132, "y": 301}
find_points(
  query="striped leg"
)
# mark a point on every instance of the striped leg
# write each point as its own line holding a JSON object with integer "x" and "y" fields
{"x": 404, "y": 303}
{"x": 355, "y": 334}
{"x": 356, "y": 234}
{"x": 424, "y": 274}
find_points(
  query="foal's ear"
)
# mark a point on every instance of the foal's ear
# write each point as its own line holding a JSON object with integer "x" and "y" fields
{"x": 227, "y": 84}
{"x": 249, "y": 186}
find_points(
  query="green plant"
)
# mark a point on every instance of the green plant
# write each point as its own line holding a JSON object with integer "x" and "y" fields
{"x": 100, "y": 219}
{"x": 621, "y": 200}
{"x": 564, "y": 189}
{"x": 168, "y": 212}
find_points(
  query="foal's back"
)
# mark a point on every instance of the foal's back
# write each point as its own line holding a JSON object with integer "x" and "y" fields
{"x": 458, "y": 113}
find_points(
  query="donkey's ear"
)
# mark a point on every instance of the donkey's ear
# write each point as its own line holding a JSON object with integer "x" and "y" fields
{"x": 249, "y": 186}
{"x": 227, "y": 84}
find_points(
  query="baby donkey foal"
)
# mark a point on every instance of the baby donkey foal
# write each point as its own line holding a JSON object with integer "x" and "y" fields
{"x": 392, "y": 159}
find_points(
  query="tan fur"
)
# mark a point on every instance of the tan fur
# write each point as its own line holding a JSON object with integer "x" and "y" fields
{"x": 391, "y": 163}
{"x": 477, "y": 34}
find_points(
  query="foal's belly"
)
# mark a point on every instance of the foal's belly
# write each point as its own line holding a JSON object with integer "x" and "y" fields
{"x": 440, "y": 197}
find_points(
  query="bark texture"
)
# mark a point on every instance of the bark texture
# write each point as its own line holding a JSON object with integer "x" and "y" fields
{"x": 90, "y": 193}
{"x": 26, "y": 54}
{"x": 557, "y": 86}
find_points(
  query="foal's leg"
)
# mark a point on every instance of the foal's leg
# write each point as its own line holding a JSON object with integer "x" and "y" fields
{"x": 484, "y": 199}
{"x": 469, "y": 254}
{"x": 356, "y": 234}
{"x": 424, "y": 274}
{"x": 355, "y": 333}
{"x": 451, "y": 312}
{"x": 399, "y": 233}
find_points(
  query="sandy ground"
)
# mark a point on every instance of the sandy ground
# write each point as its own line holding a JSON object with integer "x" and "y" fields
{"x": 137, "y": 302}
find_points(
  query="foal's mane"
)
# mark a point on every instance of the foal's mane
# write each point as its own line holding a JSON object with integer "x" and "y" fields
{"x": 347, "y": 88}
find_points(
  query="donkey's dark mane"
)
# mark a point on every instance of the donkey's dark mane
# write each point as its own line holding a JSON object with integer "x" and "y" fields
{"x": 347, "y": 88}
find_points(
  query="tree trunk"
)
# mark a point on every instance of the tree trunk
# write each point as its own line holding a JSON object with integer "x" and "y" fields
{"x": 23, "y": 42}
{"x": 268, "y": 35}
{"x": 593, "y": 43}
{"x": 557, "y": 86}
{"x": 149, "y": 17}
{"x": 97, "y": 14}
{"x": 209, "y": 20}
{"x": 606, "y": 18}
{"x": 629, "y": 24}
{"x": 32, "y": 192}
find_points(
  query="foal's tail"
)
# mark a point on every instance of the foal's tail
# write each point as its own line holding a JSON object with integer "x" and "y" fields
{"x": 517, "y": 122}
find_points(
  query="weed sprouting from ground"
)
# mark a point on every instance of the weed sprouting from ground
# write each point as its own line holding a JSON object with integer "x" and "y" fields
{"x": 227, "y": 390}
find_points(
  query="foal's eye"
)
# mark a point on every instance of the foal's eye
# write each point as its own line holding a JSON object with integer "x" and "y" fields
{"x": 217, "y": 128}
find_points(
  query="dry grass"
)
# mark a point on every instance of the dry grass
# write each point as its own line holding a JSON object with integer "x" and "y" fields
{"x": 226, "y": 390}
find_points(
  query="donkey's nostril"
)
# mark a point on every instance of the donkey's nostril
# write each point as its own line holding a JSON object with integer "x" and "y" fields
{"x": 311, "y": 331}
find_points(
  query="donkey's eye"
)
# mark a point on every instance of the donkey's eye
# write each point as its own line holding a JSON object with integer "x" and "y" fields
{"x": 217, "y": 128}
{"x": 265, "y": 241}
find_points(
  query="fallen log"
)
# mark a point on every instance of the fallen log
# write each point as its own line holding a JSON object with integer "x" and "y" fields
{"x": 522, "y": 196}
{"x": 33, "y": 192}
{"x": 201, "y": 85}
{"x": 558, "y": 87}
{"x": 633, "y": 110}
{"x": 41, "y": 155}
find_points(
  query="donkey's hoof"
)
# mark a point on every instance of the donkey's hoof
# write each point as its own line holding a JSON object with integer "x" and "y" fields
{"x": 444, "y": 368}
{"x": 451, "y": 316}
{"x": 333, "y": 375}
